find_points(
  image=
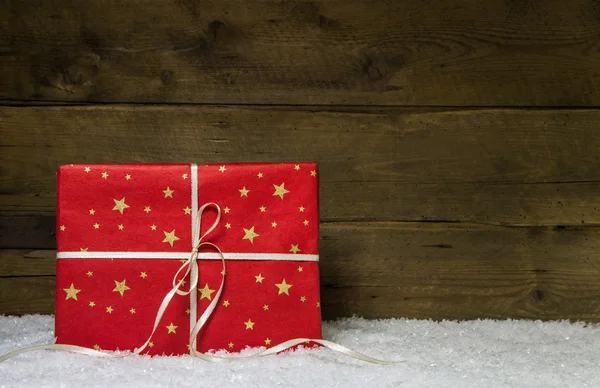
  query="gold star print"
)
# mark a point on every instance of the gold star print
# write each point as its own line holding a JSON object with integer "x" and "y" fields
{"x": 305, "y": 222}
{"x": 283, "y": 288}
{"x": 87, "y": 169}
{"x": 187, "y": 210}
{"x": 183, "y": 281}
{"x": 96, "y": 226}
{"x": 92, "y": 211}
{"x": 249, "y": 325}
{"x": 184, "y": 176}
{"x": 62, "y": 228}
{"x": 90, "y": 273}
{"x": 274, "y": 224}
{"x": 188, "y": 346}
{"x": 128, "y": 177}
{"x": 265, "y": 307}
{"x": 313, "y": 173}
{"x": 303, "y": 299}
{"x": 71, "y": 292}
{"x": 132, "y": 310}
{"x": 249, "y": 234}
{"x": 170, "y": 237}
{"x": 168, "y": 192}
{"x": 96, "y": 347}
{"x": 226, "y": 210}
{"x": 222, "y": 169}
{"x": 244, "y": 192}
{"x": 104, "y": 175}
{"x": 294, "y": 248}
{"x": 172, "y": 328}
{"x": 318, "y": 304}
{"x": 121, "y": 227}
{"x": 120, "y": 205}
{"x": 226, "y": 303}
{"x": 300, "y": 269}
{"x": 260, "y": 175}
{"x": 109, "y": 309}
{"x": 259, "y": 278}
{"x": 230, "y": 345}
{"x": 147, "y": 209}
{"x": 143, "y": 275}
{"x": 297, "y": 167}
{"x": 206, "y": 292}
{"x": 188, "y": 311}
{"x": 263, "y": 209}
{"x": 153, "y": 227}
{"x": 267, "y": 342}
{"x": 83, "y": 249}
{"x": 151, "y": 344}
{"x": 301, "y": 209}
{"x": 228, "y": 225}
{"x": 280, "y": 190}
{"x": 121, "y": 287}
{"x": 92, "y": 304}
{"x": 223, "y": 272}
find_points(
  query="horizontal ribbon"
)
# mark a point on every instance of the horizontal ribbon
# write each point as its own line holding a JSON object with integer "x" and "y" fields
{"x": 183, "y": 255}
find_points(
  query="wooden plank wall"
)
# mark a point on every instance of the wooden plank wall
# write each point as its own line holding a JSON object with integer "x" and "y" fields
{"x": 458, "y": 142}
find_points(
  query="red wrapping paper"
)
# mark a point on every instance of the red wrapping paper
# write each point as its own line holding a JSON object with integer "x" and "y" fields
{"x": 111, "y": 304}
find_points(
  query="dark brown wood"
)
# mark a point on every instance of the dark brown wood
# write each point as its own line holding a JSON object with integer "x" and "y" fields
{"x": 496, "y": 166}
{"x": 416, "y": 270}
{"x": 415, "y": 52}
{"x": 27, "y": 262}
{"x": 27, "y": 232}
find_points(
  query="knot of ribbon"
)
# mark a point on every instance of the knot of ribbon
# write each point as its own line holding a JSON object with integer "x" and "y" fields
{"x": 190, "y": 267}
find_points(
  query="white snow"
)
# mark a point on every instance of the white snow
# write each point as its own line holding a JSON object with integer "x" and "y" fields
{"x": 481, "y": 353}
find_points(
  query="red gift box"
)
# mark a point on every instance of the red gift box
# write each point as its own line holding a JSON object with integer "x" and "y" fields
{"x": 124, "y": 231}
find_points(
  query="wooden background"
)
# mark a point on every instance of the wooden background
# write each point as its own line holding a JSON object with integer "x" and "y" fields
{"x": 458, "y": 142}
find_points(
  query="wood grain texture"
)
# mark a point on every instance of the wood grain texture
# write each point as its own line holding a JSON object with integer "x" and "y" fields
{"x": 415, "y": 270}
{"x": 492, "y": 166}
{"x": 386, "y": 52}
{"x": 27, "y": 232}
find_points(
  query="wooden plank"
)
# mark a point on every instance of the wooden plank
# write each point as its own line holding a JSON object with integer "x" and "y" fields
{"x": 27, "y": 262}
{"x": 384, "y": 52}
{"x": 27, "y": 232}
{"x": 499, "y": 166}
{"x": 432, "y": 270}
{"x": 27, "y": 295}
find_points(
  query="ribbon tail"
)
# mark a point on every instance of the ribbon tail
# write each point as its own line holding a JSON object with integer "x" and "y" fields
{"x": 61, "y": 347}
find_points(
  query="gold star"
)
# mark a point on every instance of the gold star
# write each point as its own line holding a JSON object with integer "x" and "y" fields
{"x": 301, "y": 209}
{"x": 105, "y": 175}
{"x": 222, "y": 169}
{"x": 87, "y": 169}
{"x": 121, "y": 287}
{"x": 153, "y": 227}
{"x": 206, "y": 292}
{"x": 172, "y": 328}
{"x": 132, "y": 310}
{"x": 188, "y": 311}
{"x": 147, "y": 209}
{"x": 128, "y": 177}
{"x": 150, "y": 344}
{"x": 249, "y": 325}
{"x": 305, "y": 222}
{"x": 250, "y": 234}
{"x": 183, "y": 281}
{"x": 313, "y": 173}
{"x": 184, "y": 176}
{"x": 109, "y": 309}
{"x": 226, "y": 210}
{"x": 259, "y": 278}
{"x": 230, "y": 345}
{"x": 188, "y": 346}
{"x": 274, "y": 224}
{"x": 280, "y": 190}
{"x": 83, "y": 249}
{"x": 244, "y": 192}
{"x": 120, "y": 205}
{"x": 170, "y": 237}
{"x": 283, "y": 288}
{"x": 300, "y": 269}
{"x": 96, "y": 226}
{"x": 226, "y": 303}
{"x": 96, "y": 347}
{"x": 297, "y": 167}
{"x": 62, "y": 228}
{"x": 71, "y": 292}
{"x": 91, "y": 304}
{"x": 90, "y": 273}
{"x": 92, "y": 211}
{"x": 318, "y": 304}
{"x": 168, "y": 192}
{"x": 143, "y": 275}
{"x": 223, "y": 272}
{"x": 303, "y": 299}
{"x": 294, "y": 248}
{"x": 265, "y": 307}
{"x": 228, "y": 225}
{"x": 260, "y": 175}
{"x": 187, "y": 210}
{"x": 267, "y": 342}
{"x": 263, "y": 209}
{"x": 121, "y": 227}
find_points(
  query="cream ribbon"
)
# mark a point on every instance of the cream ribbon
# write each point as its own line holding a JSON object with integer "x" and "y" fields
{"x": 190, "y": 266}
